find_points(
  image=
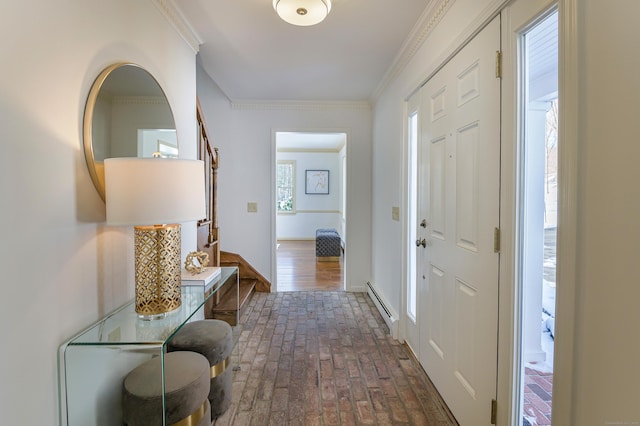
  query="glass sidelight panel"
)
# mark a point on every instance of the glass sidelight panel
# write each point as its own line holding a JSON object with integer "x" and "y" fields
{"x": 538, "y": 212}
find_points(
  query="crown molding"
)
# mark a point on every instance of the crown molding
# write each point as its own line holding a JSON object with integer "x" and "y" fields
{"x": 426, "y": 23}
{"x": 176, "y": 18}
{"x": 302, "y": 105}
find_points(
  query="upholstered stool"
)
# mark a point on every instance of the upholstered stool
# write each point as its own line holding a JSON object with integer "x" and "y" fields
{"x": 328, "y": 245}
{"x": 213, "y": 339}
{"x": 186, "y": 377}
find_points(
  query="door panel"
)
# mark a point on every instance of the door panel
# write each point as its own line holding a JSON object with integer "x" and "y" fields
{"x": 438, "y": 102}
{"x": 436, "y": 303}
{"x": 467, "y": 214}
{"x": 466, "y": 311}
{"x": 459, "y": 192}
{"x": 468, "y": 84}
{"x": 437, "y": 179}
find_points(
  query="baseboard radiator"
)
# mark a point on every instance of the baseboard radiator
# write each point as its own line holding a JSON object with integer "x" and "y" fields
{"x": 387, "y": 314}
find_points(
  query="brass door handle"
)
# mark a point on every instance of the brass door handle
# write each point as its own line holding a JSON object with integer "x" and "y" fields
{"x": 422, "y": 242}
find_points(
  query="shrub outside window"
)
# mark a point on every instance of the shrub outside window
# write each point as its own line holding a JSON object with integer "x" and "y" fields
{"x": 286, "y": 186}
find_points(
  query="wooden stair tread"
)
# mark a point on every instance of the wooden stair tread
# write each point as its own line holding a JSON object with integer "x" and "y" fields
{"x": 245, "y": 269}
{"x": 230, "y": 303}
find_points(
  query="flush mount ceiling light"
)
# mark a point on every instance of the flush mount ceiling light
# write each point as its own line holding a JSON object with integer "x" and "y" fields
{"x": 302, "y": 12}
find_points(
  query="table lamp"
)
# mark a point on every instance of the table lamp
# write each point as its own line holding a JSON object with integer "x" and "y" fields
{"x": 153, "y": 195}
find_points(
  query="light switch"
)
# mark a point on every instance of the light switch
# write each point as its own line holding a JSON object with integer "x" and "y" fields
{"x": 252, "y": 207}
{"x": 395, "y": 213}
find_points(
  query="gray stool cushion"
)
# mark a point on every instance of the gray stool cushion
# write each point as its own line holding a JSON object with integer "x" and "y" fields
{"x": 213, "y": 339}
{"x": 186, "y": 389}
{"x": 328, "y": 242}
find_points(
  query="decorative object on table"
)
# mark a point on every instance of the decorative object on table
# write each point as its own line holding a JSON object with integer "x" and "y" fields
{"x": 302, "y": 12}
{"x": 316, "y": 182}
{"x": 154, "y": 194}
{"x": 204, "y": 278}
{"x": 196, "y": 262}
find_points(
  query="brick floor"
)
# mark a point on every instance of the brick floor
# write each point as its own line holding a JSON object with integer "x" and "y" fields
{"x": 325, "y": 358}
{"x": 538, "y": 385}
{"x": 537, "y": 397}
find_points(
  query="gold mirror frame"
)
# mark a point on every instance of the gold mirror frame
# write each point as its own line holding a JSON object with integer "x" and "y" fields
{"x": 96, "y": 168}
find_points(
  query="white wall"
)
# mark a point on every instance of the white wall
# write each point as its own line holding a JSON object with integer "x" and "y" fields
{"x": 607, "y": 320}
{"x": 313, "y": 211}
{"x": 244, "y": 135}
{"x": 62, "y": 268}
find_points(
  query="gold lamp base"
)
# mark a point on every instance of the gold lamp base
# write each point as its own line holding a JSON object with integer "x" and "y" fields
{"x": 158, "y": 285}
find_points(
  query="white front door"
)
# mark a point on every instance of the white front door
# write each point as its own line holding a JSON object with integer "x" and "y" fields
{"x": 459, "y": 178}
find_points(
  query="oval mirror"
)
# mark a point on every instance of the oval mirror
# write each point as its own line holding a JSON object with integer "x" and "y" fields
{"x": 127, "y": 115}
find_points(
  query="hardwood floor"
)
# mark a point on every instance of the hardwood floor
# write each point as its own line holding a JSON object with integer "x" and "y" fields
{"x": 298, "y": 269}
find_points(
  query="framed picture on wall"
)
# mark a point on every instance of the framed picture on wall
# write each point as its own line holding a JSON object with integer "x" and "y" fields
{"x": 316, "y": 182}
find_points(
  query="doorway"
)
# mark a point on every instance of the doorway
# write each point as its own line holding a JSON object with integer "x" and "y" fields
{"x": 538, "y": 178}
{"x": 310, "y": 179}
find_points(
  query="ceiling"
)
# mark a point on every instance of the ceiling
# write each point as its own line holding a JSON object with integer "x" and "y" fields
{"x": 252, "y": 54}
{"x": 542, "y": 59}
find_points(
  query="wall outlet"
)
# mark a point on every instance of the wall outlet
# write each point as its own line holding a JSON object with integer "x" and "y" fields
{"x": 252, "y": 207}
{"x": 395, "y": 213}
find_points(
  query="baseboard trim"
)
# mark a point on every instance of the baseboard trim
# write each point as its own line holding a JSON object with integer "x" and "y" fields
{"x": 389, "y": 316}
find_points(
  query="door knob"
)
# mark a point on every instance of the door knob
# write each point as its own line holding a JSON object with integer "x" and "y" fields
{"x": 423, "y": 223}
{"x": 422, "y": 242}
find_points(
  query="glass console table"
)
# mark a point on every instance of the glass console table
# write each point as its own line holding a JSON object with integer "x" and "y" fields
{"x": 94, "y": 363}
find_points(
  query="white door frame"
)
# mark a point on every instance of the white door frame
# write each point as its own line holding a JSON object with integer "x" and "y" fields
{"x": 514, "y": 23}
{"x": 346, "y": 282}
{"x": 509, "y": 311}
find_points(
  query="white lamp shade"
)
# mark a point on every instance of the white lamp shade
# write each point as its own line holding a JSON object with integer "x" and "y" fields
{"x": 302, "y": 12}
{"x": 153, "y": 191}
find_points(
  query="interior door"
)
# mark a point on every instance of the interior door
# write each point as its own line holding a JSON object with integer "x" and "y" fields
{"x": 459, "y": 193}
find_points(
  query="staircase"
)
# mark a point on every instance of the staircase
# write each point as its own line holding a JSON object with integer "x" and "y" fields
{"x": 229, "y": 301}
